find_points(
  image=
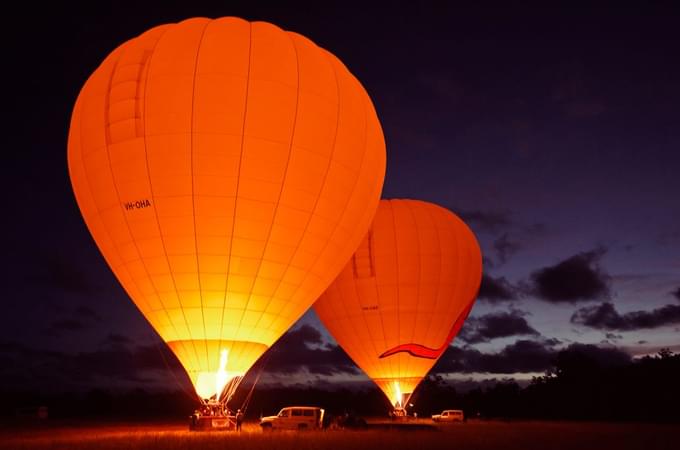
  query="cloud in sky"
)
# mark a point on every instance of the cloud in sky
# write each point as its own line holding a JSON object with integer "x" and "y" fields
{"x": 61, "y": 272}
{"x": 525, "y": 356}
{"x": 495, "y": 325}
{"x": 505, "y": 247}
{"x": 148, "y": 366}
{"x": 117, "y": 339}
{"x": 487, "y": 221}
{"x": 521, "y": 356}
{"x": 605, "y": 317}
{"x": 81, "y": 318}
{"x": 60, "y": 326}
{"x": 575, "y": 279}
{"x": 594, "y": 355}
{"x": 86, "y": 312}
{"x": 303, "y": 349}
{"x": 496, "y": 290}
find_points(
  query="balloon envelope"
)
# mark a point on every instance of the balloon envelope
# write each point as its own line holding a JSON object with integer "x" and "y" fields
{"x": 404, "y": 295}
{"x": 226, "y": 170}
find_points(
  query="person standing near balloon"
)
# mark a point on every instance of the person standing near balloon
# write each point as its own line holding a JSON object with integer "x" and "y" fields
{"x": 239, "y": 420}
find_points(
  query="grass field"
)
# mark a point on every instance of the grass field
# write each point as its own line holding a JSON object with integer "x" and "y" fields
{"x": 474, "y": 435}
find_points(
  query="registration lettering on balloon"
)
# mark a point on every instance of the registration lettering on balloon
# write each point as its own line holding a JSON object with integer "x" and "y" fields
{"x": 139, "y": 204}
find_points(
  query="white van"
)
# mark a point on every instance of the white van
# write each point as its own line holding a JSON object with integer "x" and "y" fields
{"x": 294, "y": 418}
{"x": 449, "y": 415}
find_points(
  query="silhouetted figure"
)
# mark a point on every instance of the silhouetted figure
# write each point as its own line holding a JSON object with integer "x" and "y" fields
{"x": 239, "y": 420}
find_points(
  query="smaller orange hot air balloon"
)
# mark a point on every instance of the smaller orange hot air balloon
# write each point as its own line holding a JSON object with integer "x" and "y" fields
{"x": 404, "y": 295}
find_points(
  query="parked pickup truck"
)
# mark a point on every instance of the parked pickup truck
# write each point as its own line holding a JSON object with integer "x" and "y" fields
{"x": 449, "y": 415}
{"x": 294, "y": 418}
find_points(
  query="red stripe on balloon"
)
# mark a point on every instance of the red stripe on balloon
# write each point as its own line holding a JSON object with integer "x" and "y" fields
{"x": 420, "y": 351}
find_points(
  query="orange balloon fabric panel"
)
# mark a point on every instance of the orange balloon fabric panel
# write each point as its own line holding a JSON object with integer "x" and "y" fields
{"x": 227, "y": 170}
{"x": 405, "y": 293}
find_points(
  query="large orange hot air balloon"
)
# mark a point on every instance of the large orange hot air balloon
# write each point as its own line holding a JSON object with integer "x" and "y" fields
{"x": 404, "y": 295}
{"x": 227, "y": 170}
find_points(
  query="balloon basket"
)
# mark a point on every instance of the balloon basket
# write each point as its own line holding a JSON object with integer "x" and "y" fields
{"x": 400, "y": 415}
{"x": 198, "y": 422}
{"x": 212, "y": 416}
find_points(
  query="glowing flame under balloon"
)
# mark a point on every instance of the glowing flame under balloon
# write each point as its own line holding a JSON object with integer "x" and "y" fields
{"x": 222, "y": 376}
{"x": 397, "y": 393}
{"x": 211, "y": 384}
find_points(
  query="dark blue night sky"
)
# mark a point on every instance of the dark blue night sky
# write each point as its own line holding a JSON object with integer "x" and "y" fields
{"x": 553, "y": 132}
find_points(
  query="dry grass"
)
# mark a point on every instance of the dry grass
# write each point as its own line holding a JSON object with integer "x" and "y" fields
{"x": 469, "y": 436}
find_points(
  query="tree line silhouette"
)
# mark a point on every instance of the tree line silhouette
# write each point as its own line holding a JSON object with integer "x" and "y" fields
{"x": 578, "y": 387}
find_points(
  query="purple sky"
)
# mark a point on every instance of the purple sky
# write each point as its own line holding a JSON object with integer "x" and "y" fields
{"x": 553, "y": 132}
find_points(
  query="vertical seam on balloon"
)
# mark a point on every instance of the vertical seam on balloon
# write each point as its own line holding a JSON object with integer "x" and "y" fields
{"x": 193, "y": 194}
{"x": 376, "y": 362}
{"x": 478, "y": 251}
{"x": 382, "y": 322}
{"x": 468, "y": 298}
{"x": 465, "y": 268}
{"x": 238, "y": 183}
{"x": 129, "y": 230}
{"x": 396, "y": 261}
{"x": 155, "y": 210}
{"x": 421, "y": 361}
{"x": 374, "y": 357}
{"x": 115, "y": 186}
{"x": 465, "y": 296}
{"x": 243, "y": 347}
{"x": 361, "y": 312}
{"x": 365, "y": 320}
{"x": 439, "y": 268}
{"x": 335, "y": 136}
{"x": 326, "y": 57}
{"x": 443, "y": 328}
{"x": 278, "y": 202}
{"x": 375, "y": 284}
{"x": 464, "y": 292}
{"x": 459, "y": 268}
{"x": 363, "y": 315}
{"x": 328, "y": 166}
{"x": 377, "y": 294}
{"x": 113, "y": 180}
{"x": 410, "y": 206}
{"x": 94, "y": 201}
{"x": 349, "y": 199}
